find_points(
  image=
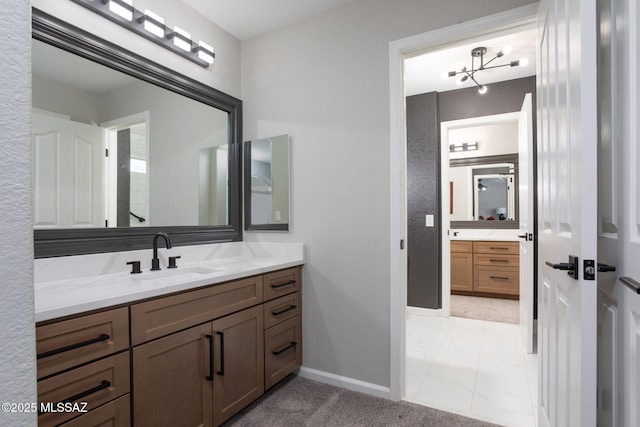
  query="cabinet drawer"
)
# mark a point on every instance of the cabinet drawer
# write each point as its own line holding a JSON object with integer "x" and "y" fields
{"x": 63, "y": 345}
{"x": 159, "y": 317}
{"x": 461, "y": 246}
{"x": 280, "y": 309}
{"x": 282, "y": 350}
{"x": 497, "y": 280}
{"x": 497, "y": 260}
{"x": 114, "y": 414}
{"x": 96, "y": 383}
{"x": 282, "y": 282}
{"x": 506, "y": 248}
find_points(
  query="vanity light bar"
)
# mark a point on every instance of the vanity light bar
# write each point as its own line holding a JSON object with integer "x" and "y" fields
{"x": 465, "y": 146}
{"x": 152, "y": 27}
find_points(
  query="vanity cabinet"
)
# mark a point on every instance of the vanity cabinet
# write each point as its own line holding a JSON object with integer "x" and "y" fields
{"x": 485, "y": 268}
{"x": 84, "y": 362}
{"x": 283, "y": 325}
{"x": 193, "y": 358}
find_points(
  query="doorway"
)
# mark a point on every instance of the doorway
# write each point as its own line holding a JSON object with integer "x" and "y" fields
{"x": 502, "y": 23}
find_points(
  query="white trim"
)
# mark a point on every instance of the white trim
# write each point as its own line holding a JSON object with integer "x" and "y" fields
{"x": 424, "y": 312}
{"x": 519, "y": 17}
{"x": 345, "y": 382}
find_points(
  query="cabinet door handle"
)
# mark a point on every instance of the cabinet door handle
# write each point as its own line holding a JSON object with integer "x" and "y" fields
{"x": 278, "y": 313}
{"x": 291, "y": 345}
{"x": 102, "y": 337}
{"x": 631, "y": 284}
{"x": 103, "y": 385}
{"x": 221, "y": 371}
{"x": 498, "y": 248}
{"x": 498, "y": 260}
{"x": 498, "y": 278}
{"x": 280, "y": 285}
{"x": 210, "y": 376}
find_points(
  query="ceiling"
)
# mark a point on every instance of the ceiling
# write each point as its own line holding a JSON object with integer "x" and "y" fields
{"x": 248, "y": 18}
{"x": 423, "y": 73}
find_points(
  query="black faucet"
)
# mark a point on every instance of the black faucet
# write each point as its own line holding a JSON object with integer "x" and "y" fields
{"x": 155, "y": 262}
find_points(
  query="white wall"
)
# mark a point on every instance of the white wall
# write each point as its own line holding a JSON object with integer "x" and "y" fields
{"x": 325, "y": 81}
{"x": 493, "y": 139}
{"x": 17, "y": 331}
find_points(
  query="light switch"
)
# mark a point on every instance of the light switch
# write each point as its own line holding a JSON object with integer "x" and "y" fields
{"x": 429, "y": 220}
{"x": 277, "y": 215}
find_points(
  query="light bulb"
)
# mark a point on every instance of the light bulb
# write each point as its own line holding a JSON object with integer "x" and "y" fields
{"x": 459, "y": 66}
{"x": 444, "y": 75}
{"x": 461, "y": 80}
{"x": 482, "y": 89}
{"x": 524, "y": 62}
{"x": 506, "y": 50}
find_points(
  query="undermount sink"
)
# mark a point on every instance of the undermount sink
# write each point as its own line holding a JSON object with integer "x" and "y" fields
{"x": 153, "y": 275}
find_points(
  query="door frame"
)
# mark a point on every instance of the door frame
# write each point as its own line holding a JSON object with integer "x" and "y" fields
{"x": 445, "y": 246}
{"x": 494, "y": 24}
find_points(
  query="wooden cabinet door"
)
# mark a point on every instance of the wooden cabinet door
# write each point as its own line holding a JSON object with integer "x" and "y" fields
{"x": 461, "y": 271}
{"x": 238, "y": 362}
{"x": 170, "y": 385}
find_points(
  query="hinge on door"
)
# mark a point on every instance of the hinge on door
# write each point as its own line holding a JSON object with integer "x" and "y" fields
{"x": 106, "y": 152}
{"x": 589, "y": 269}
{"x": 106, "y": 223}
{"x": 401, "y": 244}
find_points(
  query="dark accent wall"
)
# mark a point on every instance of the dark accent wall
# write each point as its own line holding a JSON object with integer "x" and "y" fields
{"x": 425, "y": 112}
{"x": 423, "y": 197}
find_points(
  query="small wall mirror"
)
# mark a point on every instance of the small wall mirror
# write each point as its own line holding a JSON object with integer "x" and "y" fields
{"x": 266, "y": 183}
{"x": 483, "y": 192}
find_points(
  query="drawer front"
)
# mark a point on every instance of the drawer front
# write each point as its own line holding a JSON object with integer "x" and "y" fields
{"x": 497, "y": 260}
{"x": 113, "y": 414}
{"x": 282, "y": 350}
{"x": 159, "y": 317}
{"x": 461, "y": 246}
{"x": 283, "y": 308}
{"x": 497, "y": 280}
{"x": 504, "y": 248}
{"x": 96, "y": 383}
{"x": 63, "y": 345}
{"x": 282, "y": 282}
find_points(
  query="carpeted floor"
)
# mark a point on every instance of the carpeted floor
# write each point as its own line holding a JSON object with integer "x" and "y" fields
{"x": 493, "y": 309}
{"x": 297, "y": 402}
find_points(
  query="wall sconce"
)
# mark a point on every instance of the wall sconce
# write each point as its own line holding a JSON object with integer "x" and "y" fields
{"x": 152, "y": 27}
{"x": 464, "y": 146}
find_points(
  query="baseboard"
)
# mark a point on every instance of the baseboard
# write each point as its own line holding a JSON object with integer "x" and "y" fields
{"x": 345, "y": 382}
{"x": 424, "y": 312}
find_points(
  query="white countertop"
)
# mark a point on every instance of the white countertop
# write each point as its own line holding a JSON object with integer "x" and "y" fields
{"x": 88, "y": 282}
{"x": 484, "y": 234}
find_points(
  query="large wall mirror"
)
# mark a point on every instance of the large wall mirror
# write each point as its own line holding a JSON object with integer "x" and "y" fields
{"x": 483, "y": 192}
{"x": 124, "y": 148}
{"x": 266, "y": 183}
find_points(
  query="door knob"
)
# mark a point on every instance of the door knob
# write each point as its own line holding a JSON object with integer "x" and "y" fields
{"x": 528, "y": 237}
{"x": 570, "y": 267}
{"x": 632, "y": 284}
{"x": 605, "y": 268}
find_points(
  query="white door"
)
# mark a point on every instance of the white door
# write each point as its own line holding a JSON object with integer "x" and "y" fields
{"x": 567, "y": 217}
{"x": 618, "y": 215}
{"x": 68, "y": 173}
{"x": 526, "y": 222}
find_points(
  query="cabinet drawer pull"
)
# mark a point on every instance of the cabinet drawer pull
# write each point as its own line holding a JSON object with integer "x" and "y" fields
{"x": 210, "y": 376}
{"x": 498, "y": 248}
{"x": 103, "y": 385}
{"x": 278, "y": 313}
{"x": 498, "y": 278}
{"x": 291, "y": 345}
{"x": 498, "y": 260}
{"x": 221, "y": 371}
{"x": 102, "y": 337}
{"x": 290, "y": 282}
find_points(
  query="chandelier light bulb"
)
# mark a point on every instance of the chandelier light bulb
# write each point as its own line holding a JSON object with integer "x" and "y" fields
{"x": 482, "y": 89}
{"x": 524, "y": 62}
{"x": 444, "y": 75}
{"x": 460, "y": 66}
{"x": 506, "y": 50}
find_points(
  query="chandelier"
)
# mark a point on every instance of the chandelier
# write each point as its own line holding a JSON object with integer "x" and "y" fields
{"x": 477, "y": 54}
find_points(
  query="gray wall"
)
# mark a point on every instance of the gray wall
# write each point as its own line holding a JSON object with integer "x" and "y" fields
{"x": 423, "y": 195}
{"x": 17, "y": 331}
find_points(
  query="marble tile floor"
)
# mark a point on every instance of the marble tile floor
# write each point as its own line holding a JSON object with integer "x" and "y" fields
{"x": 471, "y": 367}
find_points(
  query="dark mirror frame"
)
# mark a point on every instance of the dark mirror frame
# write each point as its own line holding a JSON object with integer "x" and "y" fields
{"x": 248, "y": 225}
{"x": 487, "y": 160}
{"x": 63, "y": 242}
